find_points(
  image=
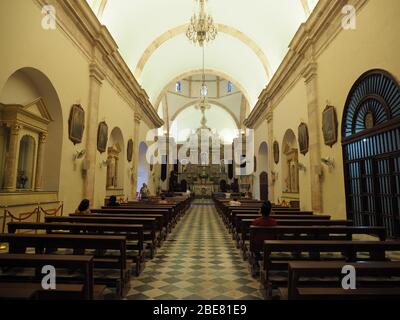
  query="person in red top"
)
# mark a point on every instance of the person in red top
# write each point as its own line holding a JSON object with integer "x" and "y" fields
{"x": 264, "y": 221}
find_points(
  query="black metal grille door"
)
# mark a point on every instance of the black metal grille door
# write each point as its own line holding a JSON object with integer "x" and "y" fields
{"x": 371, "y": 152}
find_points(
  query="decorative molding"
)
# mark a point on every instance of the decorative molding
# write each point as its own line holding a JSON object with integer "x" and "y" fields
{"x": 311, "y": 39}
{"x": 77, "y": 20}
{"x": 310, "y": 72}
{"x": 137, "y": 118}
{"x": 96, "y": 72}
{"x": 270, "y": 116}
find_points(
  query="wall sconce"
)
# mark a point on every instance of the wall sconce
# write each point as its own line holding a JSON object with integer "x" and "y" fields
{"x": 274, "y": 176}
{"x": 328, "y": 162}
{"x": 104, "y": 163}
{"x": 301, "y": 167}
{"x": 79, "y": 155}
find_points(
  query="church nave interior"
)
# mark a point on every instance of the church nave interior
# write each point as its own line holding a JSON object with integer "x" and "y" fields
{"x": 199, "y": 150}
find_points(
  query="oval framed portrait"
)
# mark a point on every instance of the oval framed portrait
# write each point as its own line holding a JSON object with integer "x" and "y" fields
{"x": 76, "y": 123}
{"x": 303, "y": 138}
{"x": 102, "y": 137}
{"x": 129, "y": 151}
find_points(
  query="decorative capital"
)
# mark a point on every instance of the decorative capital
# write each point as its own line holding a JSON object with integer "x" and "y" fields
{"x": 138, "y": 118}
{"x": 43, "y": 137}
{"x": 270, "y": 116}
{"x": 15, "y": 128}
{"x": 96, "y": 72}
{"x": 310, "y": 71}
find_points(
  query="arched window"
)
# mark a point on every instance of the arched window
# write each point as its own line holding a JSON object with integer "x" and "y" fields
{"x": 371, "y": 151}
{"x": 26, "y": 163}
{"x": 229, "y": 88}
{"x": 178, "y": 87}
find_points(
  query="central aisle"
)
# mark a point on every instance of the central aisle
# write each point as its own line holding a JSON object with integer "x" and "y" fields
{"x": 199, "y": 261}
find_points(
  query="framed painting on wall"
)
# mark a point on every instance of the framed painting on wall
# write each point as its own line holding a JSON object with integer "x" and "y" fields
{"x": 303, "y": 138}
{"x": 102, "y": 137}
{"x": 276, "y": 152}
{"x": 129, "y": 151}
{"x": 76, "y": 124}
{"x": 330, "y": 126}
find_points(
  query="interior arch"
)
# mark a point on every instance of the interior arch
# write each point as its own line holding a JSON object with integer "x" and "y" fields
{"x": 22, "y": 88}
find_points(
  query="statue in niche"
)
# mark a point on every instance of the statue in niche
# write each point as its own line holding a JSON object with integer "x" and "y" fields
{"x": 22, "y": 179}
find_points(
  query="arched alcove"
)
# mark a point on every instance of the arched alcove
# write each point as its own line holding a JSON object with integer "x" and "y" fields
{"x": 290, "y": 160}
{"x": 30, "y": 91}
{"x": 115, "y": 160}
{"x": 143, "y": 166}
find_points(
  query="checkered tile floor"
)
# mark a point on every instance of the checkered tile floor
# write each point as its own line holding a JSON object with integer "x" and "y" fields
{"x": 197, "y": 262}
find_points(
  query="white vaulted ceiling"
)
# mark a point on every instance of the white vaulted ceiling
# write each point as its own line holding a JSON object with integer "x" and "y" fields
{"x": 253, "y": 38}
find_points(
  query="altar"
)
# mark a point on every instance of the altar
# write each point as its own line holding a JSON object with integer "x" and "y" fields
{"x": 204, "y": 190}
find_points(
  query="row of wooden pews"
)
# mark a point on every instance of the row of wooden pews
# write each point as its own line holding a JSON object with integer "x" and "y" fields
{"x": 306, "y": 257}
{"x": 89, "y": 252}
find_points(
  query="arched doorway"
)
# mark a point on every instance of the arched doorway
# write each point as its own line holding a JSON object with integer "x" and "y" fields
{"x": 262, "y": 165}
{"x": 371, "y": 151}
{"x": 143, "y": 167}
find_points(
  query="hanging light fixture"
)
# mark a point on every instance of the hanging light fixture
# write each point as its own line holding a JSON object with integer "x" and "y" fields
{"x": 203, "y": 104}
{"x": 201, "y": 27}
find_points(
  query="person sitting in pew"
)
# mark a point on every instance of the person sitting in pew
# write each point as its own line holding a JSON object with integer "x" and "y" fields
{"x": 84, "y": 207}
{"x": 264, "y": 221}
{"x": 112, "y": 202}
{"x": 235, "y": 203}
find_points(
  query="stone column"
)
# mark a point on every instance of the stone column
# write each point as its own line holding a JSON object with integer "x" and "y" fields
{"x": 135, "y": 159}
{"x": 311, "y": 82}
{"x": 40, "y": 161}
{"x": 271, "y": 163}
{"x": 10, "y": 169}
{"x": 96, "y": 80}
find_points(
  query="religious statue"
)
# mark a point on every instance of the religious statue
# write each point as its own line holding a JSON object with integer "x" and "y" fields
{"x": 22, "y": 179}
{"x": 144, "y": 192}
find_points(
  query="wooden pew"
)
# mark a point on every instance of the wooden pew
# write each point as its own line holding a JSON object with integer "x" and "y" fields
{"x": 239, "y": 216}
{"x": 369, "y": 282}
{"x": 149, "y": 225}
{"x": 330, "y": 233}
{"x": 134, "y": 234}
{"x": 167, "y": 213}
{"x": 348, "y": 250}
{"x": 243, "y": 228}
{"x": 19, "y": 243}
{"x": 164, "y": 222}
{"x": 341, "y": 294}
{"x": 278, "y": 214}
{"x": 21, "y": 287}
{"x": 177, "y": 210}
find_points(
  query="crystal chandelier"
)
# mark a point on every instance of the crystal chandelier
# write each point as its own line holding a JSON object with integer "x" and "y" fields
{"x": 201, "y": 28}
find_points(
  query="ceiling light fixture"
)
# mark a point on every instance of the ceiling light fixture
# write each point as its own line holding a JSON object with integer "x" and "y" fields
{"x": 203, "y": 104}
{"x": 201, "y": 27}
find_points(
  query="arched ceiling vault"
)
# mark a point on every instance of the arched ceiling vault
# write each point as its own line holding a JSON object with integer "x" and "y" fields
{"x": 212, "y": 102}
{"x": 199, "y": 71}
{"x": 221, "y": 28}
{"x": 253, "y": 39}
